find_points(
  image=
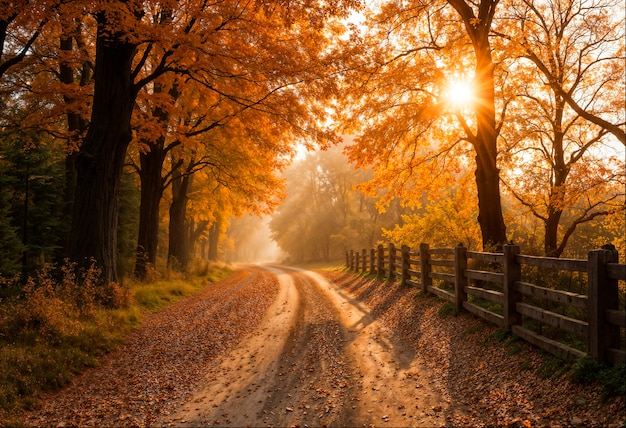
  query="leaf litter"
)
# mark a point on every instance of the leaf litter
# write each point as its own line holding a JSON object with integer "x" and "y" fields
{"x": 163, "y": 361}
{"x": 167, "y": 359}
{"x": 479, "y": 377}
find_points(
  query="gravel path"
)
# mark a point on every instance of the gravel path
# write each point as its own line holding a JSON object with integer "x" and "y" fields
{"x": 282, "y": 347}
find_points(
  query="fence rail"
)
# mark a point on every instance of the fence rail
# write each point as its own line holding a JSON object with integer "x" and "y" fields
{"x": 498, "y": 287}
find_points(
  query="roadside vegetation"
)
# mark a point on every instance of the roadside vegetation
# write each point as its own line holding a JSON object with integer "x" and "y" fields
{"x": 55, "y": 328}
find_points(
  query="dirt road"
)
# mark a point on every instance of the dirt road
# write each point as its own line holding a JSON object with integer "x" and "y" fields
{"x": 318, "y": 358}
{"x": 272, "y": 346}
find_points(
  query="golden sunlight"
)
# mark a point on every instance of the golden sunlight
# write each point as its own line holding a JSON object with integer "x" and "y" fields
{"x": 460, "y": 93}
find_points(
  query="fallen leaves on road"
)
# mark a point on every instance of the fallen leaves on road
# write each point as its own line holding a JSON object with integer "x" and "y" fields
{"x": 164, "y": 360}
{"x": 167, "y": 358}
{"x": 478, "y": 375}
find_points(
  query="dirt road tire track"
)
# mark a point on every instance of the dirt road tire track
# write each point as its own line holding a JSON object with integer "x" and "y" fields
{"x": 318, "y": 359}
{"x": 164, "y": 361}
{"x": 269, "y": 346}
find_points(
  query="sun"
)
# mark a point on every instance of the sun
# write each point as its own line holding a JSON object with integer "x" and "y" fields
{"x": 460, "y": 93}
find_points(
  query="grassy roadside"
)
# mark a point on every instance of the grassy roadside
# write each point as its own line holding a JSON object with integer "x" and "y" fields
{"x": 320, "y": 265}
{"x": 56, "y": 329}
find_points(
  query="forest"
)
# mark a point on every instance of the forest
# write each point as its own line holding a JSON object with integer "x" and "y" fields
{"x": 142, "y": 136}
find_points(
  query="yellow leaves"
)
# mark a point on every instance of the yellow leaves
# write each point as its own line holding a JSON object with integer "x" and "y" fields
{"x": 448, "y": 217}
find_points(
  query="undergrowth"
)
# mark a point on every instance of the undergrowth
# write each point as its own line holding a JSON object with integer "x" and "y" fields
{"x": 446, "y": 310}
{"x": 612, "y": 379}
{"x": 54, "y": 329}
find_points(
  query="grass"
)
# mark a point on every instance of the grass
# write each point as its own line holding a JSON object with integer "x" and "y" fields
{"x": 446, "y": 310}
{"x": 321, "y": 265}
{"x": 612, "y": 379}
{"x": 158, "y": 295}
{"x": 57, "y": 329}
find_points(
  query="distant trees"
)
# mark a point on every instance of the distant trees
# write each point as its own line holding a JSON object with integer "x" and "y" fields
{"x": 324, "y": 214}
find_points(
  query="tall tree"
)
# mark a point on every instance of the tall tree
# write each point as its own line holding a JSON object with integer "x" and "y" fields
{"x": 75, "y": 73}
{"x": 101, "y": 156}
{"x": 566, "y": 170}
{"x": 403, "y": 111}
{"x": 153, "y": 152}
{"x": 248, "y": 38}
{"x": 477, "y": 20}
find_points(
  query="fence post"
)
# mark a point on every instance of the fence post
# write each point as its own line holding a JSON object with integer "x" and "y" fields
{"x": 603, "y": 295}
{"x": 425, "y": 267}
{"x": 347, "y": 259}
{"x": 460, "y": 280}
{"x": 380, "y": 261}
{"x": 351, "y": 259}
{"x": 392, "y": 261}
{"x": 512, "y": 273}
{"x": 372, "y": 260}
{"x": 356, "y": 261}
{"x": 406, "y": 264}
{"x": 364, "y": 263}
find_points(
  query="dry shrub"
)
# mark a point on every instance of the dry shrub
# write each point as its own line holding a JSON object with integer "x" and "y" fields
{"x": 42, "y": 310}
{"x": 114, "y": 295}
{"x": 78, "y": 287}
{"x": 84, "y": 289}
{"x": 53, "y": 307}
{"x": 56, "y": 328}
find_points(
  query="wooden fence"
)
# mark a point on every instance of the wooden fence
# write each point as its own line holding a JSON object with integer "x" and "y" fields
{"x": 497, "y": 288}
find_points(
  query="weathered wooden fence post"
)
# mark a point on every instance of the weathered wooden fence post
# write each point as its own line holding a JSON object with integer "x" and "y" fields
{"x": 425, "y": 267}
{"x": 356, "y": 261}
{"x": 364, "y": 256}
{"x": 372, "y": 260}
{"x": 347, "y": 259}
{"x": 603, "y": 295}
{"x": 381, "y": 261}
{"x": 392, "y": 262}
{"x": 512, "y": 273}
{"x": 405, "y": 251}
{"x": 351, "y": 259}
{"x": 460, "y": 280}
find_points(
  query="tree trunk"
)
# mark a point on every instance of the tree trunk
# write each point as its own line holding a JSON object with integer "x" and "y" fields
{"x": 195, "y": 231}
{"x": 101, "y": 157}
{"x": 178, "y": 251}
{"x": 490, "y": 216}
{"x": 152, "y": 188}
{"x": 214, "y": 236}
{"x": 559, "y": 174}
{"x": 487, "y": 173}
{"x": 76, "y": 127}
{"x": 151, "y": 194}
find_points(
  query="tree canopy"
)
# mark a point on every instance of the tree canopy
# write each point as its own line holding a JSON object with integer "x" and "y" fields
{"x": 160, "y": 122}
